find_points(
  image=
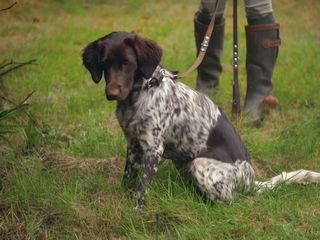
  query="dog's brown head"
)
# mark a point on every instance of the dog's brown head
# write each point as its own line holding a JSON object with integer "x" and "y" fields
{"x": 124, "y": 58}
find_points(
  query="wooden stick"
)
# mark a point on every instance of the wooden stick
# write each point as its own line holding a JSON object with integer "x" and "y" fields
{"x": 236, "y": 108}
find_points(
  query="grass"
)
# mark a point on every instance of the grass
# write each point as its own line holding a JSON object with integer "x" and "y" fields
{"x": 59, "y": 178}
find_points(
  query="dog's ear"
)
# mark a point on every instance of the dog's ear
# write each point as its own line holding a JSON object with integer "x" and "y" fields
{"x": 148, "y": 53}
{"x": 91, "y": 60}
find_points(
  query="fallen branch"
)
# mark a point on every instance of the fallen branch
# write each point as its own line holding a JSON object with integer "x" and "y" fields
{"x": 17, "y": 66}
{"x": 7, "y": 8}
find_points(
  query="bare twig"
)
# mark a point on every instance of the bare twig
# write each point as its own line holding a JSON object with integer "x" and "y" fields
{"x": 3, "y": 65}
{"x": 17, "y": 66}
{"x": 20, "y": 104}
{"x": 9, "y": 101}
{"x": 26, "y": 98}
{"x": 7, "y": 8}
{"x": 6, "y": 64}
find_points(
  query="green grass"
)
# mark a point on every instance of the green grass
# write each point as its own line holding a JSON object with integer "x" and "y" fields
{"x": 46, "y": 194}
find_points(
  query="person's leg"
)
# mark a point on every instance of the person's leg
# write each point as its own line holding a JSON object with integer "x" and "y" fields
{"x": 262, "y": 37}
{"x": 210, "y": 69}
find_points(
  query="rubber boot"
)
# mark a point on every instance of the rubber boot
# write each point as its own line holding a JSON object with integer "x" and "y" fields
{"x": 262, "y": 50}
{"x": 210, "y": 69}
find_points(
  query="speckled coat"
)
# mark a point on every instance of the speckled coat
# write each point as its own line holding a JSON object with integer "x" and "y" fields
{"x": 165, "y": 118}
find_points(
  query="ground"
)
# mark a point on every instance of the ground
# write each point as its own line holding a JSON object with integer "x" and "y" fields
{"x": 60, "y": 176}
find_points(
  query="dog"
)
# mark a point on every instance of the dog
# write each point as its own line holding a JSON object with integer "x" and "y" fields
{"x": 163, "y": 118}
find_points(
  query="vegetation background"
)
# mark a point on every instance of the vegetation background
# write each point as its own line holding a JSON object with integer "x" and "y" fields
{"x": 62, "y": 151}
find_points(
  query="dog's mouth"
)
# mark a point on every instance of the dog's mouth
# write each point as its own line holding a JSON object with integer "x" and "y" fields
{"x": 111, "y": 98}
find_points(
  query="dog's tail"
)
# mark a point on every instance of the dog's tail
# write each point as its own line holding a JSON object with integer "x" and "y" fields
{"x": 286, "y": 177}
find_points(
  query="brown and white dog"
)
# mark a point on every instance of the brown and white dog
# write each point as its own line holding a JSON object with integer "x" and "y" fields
{"x": 162, "y": 118}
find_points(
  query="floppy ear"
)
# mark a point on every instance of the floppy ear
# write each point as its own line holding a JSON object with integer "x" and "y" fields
{"x": 148, "y": 53}
{"x": 91, "y": 60}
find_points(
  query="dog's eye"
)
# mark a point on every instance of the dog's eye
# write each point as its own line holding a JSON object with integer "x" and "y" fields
{"x": 125, "y": 62}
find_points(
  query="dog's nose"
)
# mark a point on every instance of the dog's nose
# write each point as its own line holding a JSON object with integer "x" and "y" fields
{"x": 113, "y": 93}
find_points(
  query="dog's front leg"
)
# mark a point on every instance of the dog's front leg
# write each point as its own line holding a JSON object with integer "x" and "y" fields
{"x": 152, "y": 158}
{"x": 133, "y": 163}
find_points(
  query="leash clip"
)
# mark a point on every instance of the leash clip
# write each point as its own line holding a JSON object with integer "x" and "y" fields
{"x": 166, "y": 74}
{"x": 152, "y": 82}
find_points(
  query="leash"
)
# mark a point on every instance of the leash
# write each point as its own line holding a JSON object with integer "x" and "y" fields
{"x": 204, "y": 46}
{"x": 236, "y": 109}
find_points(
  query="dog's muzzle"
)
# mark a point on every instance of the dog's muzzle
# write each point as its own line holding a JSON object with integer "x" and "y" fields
{"x": 113, "y": 92}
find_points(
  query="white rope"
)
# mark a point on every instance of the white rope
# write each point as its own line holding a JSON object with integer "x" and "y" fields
{"x": 286, "y": 177}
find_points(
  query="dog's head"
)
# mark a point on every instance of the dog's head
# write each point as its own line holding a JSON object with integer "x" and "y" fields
{"x": 123, "y": 58}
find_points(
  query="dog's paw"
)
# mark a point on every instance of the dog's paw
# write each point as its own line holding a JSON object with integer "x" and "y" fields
{"x": 139, "y": 201}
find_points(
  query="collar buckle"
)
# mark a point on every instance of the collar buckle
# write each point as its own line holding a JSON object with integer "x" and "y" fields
{"x": 159, "y": 75}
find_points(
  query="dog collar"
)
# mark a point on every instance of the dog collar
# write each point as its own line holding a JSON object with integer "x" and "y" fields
{"x": 159, "y": 75}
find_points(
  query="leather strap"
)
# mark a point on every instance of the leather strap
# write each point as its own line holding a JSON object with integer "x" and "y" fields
{"x": 271, "y": 43}
{"x": 204, "y": 46}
